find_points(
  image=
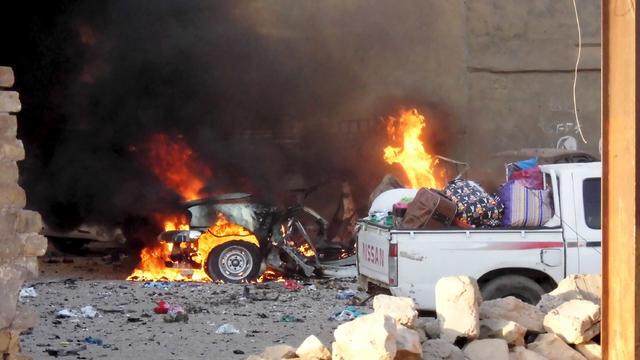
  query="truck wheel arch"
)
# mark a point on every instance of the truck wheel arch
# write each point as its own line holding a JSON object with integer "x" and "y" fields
{"x": 533, "y": 280}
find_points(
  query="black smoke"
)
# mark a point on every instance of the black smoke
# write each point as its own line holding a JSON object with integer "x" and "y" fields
{"x": 259, "y": 91}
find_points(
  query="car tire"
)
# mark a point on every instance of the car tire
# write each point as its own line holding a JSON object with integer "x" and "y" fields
{"x": 235, "y": 261}
{"x": 517, "y": 286}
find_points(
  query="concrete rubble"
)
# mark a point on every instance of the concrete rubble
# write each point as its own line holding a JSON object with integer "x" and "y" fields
{"x": 468, "y": 328}
{"x": 513, "y": 309}
{"x": 575, "y": 322}
{"x": 313, "y": 349}
{"x": 577, "y": 286}
{"x": 20, "y": 243}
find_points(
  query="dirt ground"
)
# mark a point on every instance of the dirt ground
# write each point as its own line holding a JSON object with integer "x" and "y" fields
{"x": 129, "y": 328}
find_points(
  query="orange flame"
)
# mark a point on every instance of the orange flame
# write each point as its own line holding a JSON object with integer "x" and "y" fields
{"x": 154, "y": 259}
{"x": 176, "y": 165}
{"x": 306, "y": 250}
{"x": 418, "y": 165}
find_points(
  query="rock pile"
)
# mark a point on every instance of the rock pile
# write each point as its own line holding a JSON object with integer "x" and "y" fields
{"x": 564, "y": 325}
{"x": 20, "y": 243}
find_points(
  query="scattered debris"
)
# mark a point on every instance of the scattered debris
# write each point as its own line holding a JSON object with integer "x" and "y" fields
{"x": 349, "y": 313}
{"x": 290, "y": 318}
{"x": 176, "y": 313}
{"x": 93, "y": 340}
{"x": 162, "y": 308}
{"x": 88, "y": 312}
{"x": 66, "y": 313}
{"x": 345, "y": 294}
{"x": 292, "y": 285}
{"x": 28, "y": 292}
{"x": 227, "y": 329}
{"x": 65, "y": 352}
{"x": 157, "y": 285}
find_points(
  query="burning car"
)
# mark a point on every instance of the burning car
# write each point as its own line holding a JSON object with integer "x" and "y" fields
{"x": 231, "y": 238}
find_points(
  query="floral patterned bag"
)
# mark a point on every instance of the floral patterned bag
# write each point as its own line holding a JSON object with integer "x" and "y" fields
{"x": 476, "y": 208}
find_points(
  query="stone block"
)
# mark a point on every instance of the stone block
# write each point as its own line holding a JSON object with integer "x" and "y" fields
{"x": 24, "y": 319}
{"x": 408, "y": 341}
{"x": 369, "y": 337}
{"x": 6, "y": 77}
{"x": 9, "y": 341}
{"x": 590, "y": 350}
{"x": 401, "y": 309}
{"x": 11, "y": 280}
{"x": 32, "y": 244}
{"x": 487, "y": 349}
{"x": 553, "y": 348}
{"x": 513, "y": 309}
{"x": 457, "y": 300}
{"x": 512, "y": 332}
{"x": 28, "y": 221}
{"x": 12, "y": 195}
{"x": 8, "y": 172}
{"x": 9, "y": 102}
{"x": 521, "y": 353}
{"x": 577, "y": 286}
{"x": 278, "y": 352}
{"x": 10, "y": 248}
{"x": 313, "y": 349}
{"x": 11, "y": 150}
{"x": 441, "y": 350}
{"x": 28, "y": 265}
{"x": 8, "y": 126}
{"x": 575, "y": 321}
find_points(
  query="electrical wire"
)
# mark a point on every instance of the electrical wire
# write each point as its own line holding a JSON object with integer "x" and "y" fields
{"x": 575, "y": 73}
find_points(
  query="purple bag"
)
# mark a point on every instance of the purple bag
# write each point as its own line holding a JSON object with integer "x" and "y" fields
{"x": 525, "y": 207}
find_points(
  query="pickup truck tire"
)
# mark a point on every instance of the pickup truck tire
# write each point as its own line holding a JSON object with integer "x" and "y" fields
{"x": 517, "y": 286}
{"x": 235, "y": 261}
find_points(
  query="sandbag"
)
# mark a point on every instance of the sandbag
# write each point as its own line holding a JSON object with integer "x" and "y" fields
{"x": 430, "y": 209}
{"x": 525, "y": 207}
{"x": 475, "y": 207}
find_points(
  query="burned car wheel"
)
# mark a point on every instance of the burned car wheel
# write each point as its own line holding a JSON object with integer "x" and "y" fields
{"x": 234, "y": 262}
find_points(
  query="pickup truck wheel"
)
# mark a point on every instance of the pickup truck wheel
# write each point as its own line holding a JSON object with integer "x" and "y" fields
{"x": 234, "y": 262}
{"x": 517, "y": 286}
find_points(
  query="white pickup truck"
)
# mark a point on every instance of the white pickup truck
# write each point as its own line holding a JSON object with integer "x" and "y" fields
{"x": 525, "y": 263}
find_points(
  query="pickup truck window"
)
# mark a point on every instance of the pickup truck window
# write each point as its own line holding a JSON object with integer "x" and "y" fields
{"x": 591, "y": 196}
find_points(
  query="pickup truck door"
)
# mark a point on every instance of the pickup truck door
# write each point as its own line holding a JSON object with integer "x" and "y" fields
{"x": 587, "y": 199}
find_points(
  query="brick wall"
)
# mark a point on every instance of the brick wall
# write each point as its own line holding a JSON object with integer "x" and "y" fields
{"x": 20, "y": 243}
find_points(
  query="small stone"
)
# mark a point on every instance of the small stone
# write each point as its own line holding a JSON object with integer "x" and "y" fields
{"x": 441, "y": 350}
{"x": 457, "y": 300}
{"x": 513, "y": 309}
{"x": 575, "y": 321}
{"x": 553, "y": 348}
{"x": 313, "y": 349}
{"x": 510, "y": 331}
{"x": 401, "y": 309}
{"x": 487, "y": 349}
{"x": 590, "y": 350}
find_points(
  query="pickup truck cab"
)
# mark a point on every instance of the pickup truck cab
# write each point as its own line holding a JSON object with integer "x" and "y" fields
{"x": 521, "y": 262}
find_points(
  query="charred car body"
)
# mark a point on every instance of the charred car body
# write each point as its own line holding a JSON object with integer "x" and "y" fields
{"x": 289, "y": 240}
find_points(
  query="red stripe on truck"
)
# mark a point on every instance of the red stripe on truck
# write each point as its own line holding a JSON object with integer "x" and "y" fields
{"x": 523, "y": 245}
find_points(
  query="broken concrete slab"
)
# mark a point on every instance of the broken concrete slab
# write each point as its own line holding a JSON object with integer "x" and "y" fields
{"x": 313, "y": 349}
{"x": 6, "y": 77}
{"x": 575, "y": 321}
{"x": 371, "y": 336}
{"x": 510, "y": 331}
{"x": 553, "y": 348}
{"x": 487, "y": 349}
{"x": 401, "y": 309}
{"x": 441, "y": 350}
{"x": 577, "y": 286}
{"x": 457, "y": 301}
{"x": 10, "y": 102}
{"x": 590, "y": 350}
{"x": 522, "y": 353}
{"x": 513, "y": 309}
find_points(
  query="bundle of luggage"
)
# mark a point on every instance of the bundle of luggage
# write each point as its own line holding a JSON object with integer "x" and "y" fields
{"x": 521, "y": 202}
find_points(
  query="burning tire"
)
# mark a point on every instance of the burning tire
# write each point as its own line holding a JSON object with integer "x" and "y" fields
{"x": 234, "y": 262}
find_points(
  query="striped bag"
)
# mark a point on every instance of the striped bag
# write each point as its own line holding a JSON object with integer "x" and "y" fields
{"x": 525, "y": 207}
